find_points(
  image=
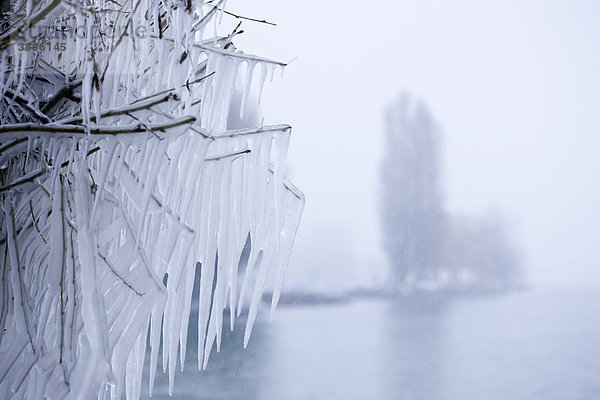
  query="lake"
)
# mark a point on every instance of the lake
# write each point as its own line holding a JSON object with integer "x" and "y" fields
{"x": 535, "y": 344}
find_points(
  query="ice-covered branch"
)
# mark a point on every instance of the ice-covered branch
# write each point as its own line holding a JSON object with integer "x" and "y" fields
{"x": 237, "y": 54}
{"x": 7, "y": 132}
{"x": 253, "y": 131}
{"x": 30, "y": 177}
{"x": 117, "y": 171}
{"x": 66, "y": 92}
{"x": 33, "y": 112}
{"x": 137, "y": 106}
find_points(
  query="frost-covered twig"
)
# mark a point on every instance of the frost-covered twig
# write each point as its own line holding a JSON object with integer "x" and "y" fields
{"x": 252, "y": 131}
{"x": 237, "y": 54}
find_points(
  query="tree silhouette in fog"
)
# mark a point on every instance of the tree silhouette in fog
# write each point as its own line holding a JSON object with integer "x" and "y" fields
{"x": 428, "y": 247}
{"x": 411, "y": 209}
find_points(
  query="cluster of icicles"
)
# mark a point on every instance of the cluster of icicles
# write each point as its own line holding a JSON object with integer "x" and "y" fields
{"x": 119, "y": 183}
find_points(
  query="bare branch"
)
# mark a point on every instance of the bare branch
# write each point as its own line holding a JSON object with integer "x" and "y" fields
{"x": 262, "y": 21}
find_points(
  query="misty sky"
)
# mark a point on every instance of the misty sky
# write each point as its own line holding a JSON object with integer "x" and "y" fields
{"x": 514, "y": 86}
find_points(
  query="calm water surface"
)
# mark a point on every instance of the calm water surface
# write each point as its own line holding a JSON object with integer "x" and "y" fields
{"x": 525, "y": 345}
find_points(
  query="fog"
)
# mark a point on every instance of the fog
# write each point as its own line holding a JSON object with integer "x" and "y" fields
{"x": 512, "y": 85}
{"x": 448, "y": 151}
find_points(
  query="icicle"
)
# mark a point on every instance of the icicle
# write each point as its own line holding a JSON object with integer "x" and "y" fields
{"x": 222, "y": 10}
{"x": 293, "y": 212}
{"x": 263, "y": 77}
{"x": 207, "y": 273}
{"x": 225, "y": 255}
{"x": 255, "y": 303}
{"x": 247, "y": 86}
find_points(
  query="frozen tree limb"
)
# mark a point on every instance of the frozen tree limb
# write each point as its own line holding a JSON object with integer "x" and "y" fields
{"x": 33, "y": 112}
{"x": 11, "y": 130}
{"x": 236, "y": 54}
{"x": 30, "y": 177}
{"x": 116, "y": 170}
{"x": 65, "y": 92}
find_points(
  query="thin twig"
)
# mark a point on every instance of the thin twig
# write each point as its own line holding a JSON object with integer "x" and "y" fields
{"x": 158, "y": 201}
{"x": 194, "y": 128}
{"x": 114, "y": 271}
{"x": 222, "y": 156}
{"x": 241, "y": 55}
{"x": 62, "y": 272}
{"x": 13, "y": 143}
{"x": 30, "y": 177}
{"x": 4, "y": 311}
{"x": 252, "y": 131}
{"x": 262, "y": 21}
{"x": 224, "y": 52}
{"x": 243, "y": 17}
{"x": 122, "y": 110}
{"x": 32, "y": 111}
{"x": 150, "y": 130}
{"x": 21, "y": 286}
{"x": 35, "y": 224}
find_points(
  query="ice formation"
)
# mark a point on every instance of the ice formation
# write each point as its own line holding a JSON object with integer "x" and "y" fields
{"x": 117, "y": 177}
